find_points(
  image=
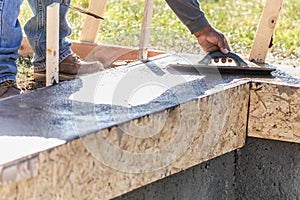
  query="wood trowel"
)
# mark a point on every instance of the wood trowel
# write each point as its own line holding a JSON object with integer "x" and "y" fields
{"x": 217, "y": 62}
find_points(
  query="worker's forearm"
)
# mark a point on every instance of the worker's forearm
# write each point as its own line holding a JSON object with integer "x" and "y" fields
{"x": 189, "y": 12}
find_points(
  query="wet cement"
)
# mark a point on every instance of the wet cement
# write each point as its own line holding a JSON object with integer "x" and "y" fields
{"x": 53, "y": 112}
{"x": 50, "y": 113}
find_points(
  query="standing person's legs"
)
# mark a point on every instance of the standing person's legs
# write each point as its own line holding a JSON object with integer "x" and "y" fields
{"x": 10, "y": 42}
{"x": 35, "y": 29}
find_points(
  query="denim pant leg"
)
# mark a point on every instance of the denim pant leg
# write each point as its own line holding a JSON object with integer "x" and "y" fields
{"x": 35, "y": 30}
{"x": 10, "y": 38}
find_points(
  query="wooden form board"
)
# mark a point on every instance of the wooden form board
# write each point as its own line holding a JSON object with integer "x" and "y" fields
{"x": 91, "y": 25}
{"x": 274, "y": 112}
{"x": 92, "y": 51}
{"x": 265, "y": 30}
{"x": 224, "y": 117}
{"x": 56, "y": 174}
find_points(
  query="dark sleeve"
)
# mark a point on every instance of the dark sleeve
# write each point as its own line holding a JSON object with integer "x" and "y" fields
{"x": 189, "y": 12}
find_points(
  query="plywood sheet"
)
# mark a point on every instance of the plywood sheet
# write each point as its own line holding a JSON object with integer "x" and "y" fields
{"x": 113, "y": 161}
{"x": 274, "y": 112}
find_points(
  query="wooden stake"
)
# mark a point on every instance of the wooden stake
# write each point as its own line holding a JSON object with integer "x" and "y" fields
{"x": 145, "y": 31}
{"x": 91, "y": 25}
{"x": 265, "y": 31}
{"x": 52, "y": 44}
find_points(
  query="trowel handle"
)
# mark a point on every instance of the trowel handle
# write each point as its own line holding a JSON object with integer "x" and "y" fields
{"x": 218, "y": 54}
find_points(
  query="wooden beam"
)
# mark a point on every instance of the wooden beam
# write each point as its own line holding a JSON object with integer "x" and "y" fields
{"x": 91, "y": 51}
{"x": 265, "y": 31}
{"x": 145, "y": 30}
{"x": 91, "y": 25}
{"x": 52, "y": 42}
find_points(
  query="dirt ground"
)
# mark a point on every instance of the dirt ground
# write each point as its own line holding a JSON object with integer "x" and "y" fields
{"x": 25, "y": 78}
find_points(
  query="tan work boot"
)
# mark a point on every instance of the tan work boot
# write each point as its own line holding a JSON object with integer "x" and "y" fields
{"x": 71, "y": 67}
{"x": 9, "y": 88}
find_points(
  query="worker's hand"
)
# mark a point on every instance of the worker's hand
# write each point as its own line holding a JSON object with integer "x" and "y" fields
{"x": 211, "y": 40}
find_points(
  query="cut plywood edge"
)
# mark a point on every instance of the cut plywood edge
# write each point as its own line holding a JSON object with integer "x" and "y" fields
{"x": 274, "y": 112}
{"x": 112, "y": 161}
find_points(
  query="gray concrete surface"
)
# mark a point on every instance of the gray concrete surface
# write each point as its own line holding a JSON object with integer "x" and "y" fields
{"x": 213, "y": 179}
{"x": 263, "y": 169}
{"x": 75, "y": 108}
{"x": 268, "y": 169}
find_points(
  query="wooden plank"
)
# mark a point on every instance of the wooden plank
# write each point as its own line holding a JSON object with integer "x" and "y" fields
{"x": 91, "y": 25}
{"x": 274, "y": 112}
{"x": 145, "y": 30}
{"x": 107, "y": 54}
{"x": 52, "y": 42}
{"x": 83, "y": 49}
{"x": 265, "y": 31}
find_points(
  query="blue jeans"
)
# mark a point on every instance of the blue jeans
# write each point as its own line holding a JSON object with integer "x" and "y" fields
{"x": 35, "y": 29}
{"x": 10, "y": 38}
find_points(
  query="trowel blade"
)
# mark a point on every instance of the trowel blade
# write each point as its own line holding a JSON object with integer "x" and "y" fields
{"x": 200, "y": 68}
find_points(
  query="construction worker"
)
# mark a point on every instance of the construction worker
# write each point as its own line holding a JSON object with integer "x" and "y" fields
{"x": 188, "y": 12}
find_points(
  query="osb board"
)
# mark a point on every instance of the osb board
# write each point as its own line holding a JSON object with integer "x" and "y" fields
{"x": 274, "y": 112}
{"x": 114, "y": 161}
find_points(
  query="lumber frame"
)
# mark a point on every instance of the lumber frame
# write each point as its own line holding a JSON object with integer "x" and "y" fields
{"x": 145, "y": 30}
{"x": 105, "y": 53}
{"x": 265, "y": 31}
{"x": 91, "y": 25}
{"x": 52, "y": 43}
{"x": 238, "y": 106}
